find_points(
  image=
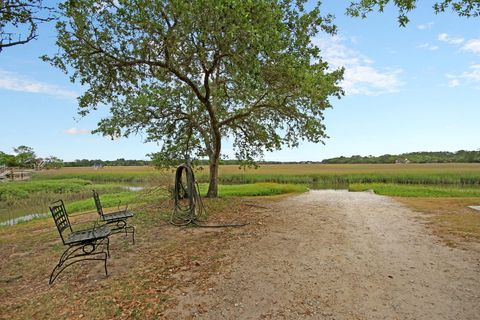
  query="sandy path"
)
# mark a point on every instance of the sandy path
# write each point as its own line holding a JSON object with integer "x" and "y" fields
{"x": 341, "y": 255}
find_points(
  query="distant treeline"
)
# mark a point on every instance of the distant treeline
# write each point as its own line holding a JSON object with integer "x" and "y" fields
{"x": 124, "y": 162}
{"x": 461, "y": 156}
{"x": 98, "y": 163}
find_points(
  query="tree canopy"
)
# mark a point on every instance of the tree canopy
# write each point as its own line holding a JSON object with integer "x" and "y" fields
{"x": 19, "y": 20}
{"x": 465, "y": 8}
{"x": 24, "y": 157}
{"x": 191, "y": 73}
{"x": 461, "y": 156}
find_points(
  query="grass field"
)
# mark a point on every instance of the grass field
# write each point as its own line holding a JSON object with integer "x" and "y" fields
{"x": 288, "y": 173}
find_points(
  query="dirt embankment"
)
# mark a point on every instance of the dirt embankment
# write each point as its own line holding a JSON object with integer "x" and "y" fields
{"x": 339, "y": 255}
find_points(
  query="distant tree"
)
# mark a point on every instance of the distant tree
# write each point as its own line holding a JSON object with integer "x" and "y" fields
{"x": 460, "y": 156}
{"x": 465, "y": 8}
{"x": 19, "y": 20}
{"x": 190, "y": 73}
{"x": 25, "y": 156}
{"x": 52, "y": 162}
{"x": 8, "y": 160}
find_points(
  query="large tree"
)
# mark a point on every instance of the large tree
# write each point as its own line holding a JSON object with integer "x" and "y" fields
{"x": 25, "y": 156}
{"x": 19, "y": 20}
{"x": 464, "y": 8}
{"x": 191, "y": 73}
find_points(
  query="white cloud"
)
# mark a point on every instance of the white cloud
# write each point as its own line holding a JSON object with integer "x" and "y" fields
{"x": 450, "y": 40}
{"x": 426, "y": 26}
{"x": 451, "y": 126}
{"x": 454, "y": 83}
{"x": 15, "y": 82}
{"x": 361, "y": 76}
{"x": 428, "y": 46}
{"x": 471, "y": 77}
{"x": 77, "y": 131}
{"x": 472, "y": 45}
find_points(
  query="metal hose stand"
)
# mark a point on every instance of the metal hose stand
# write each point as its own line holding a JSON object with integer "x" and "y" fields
{"x": 188, "y": 205}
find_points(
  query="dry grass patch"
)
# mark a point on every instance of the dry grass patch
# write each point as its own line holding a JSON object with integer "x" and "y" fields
{"x": 145, "y": 279}
{"x": 449, "y": 218}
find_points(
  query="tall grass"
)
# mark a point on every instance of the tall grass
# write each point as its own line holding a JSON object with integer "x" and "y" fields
{"x": 458, "y": 174}
{"x": 119, "y": 200}
{"x": 75, "y": 184}
{"x": 426, "y": 191}
{"x": 256, "y": 189}
{"x": 24, "y": 189}
{"x": 345, "y": 179}
{"x": 133, "y": 175}
{"x": 28, "y": 197}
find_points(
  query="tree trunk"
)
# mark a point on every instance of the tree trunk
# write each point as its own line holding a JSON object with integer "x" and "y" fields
{"x": 213, "y": 183}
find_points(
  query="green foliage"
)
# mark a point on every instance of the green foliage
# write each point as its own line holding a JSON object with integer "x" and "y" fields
{"x": 108, "y": 200}
{"x": 189, "y": 73}
{"x": 256, "y": 189}
{"x": 390, "y": 189}
{"x": 25, "y": 156}
{"x": 8, "y": 160}
{"x": 34, "y": 196}
{"x": 24, "y": 189}
{"x": 361, "y": 8}
{"x": 96, "y": 162}
{"x": 19, "y": 20}
{"x": 461, "y": 156}
{"x": 53, "y": 163}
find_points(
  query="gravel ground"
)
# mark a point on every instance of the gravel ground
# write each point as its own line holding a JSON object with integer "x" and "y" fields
{"x": 339, "y": 255}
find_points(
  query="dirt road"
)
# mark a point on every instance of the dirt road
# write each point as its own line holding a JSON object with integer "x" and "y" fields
{"x": 340, "y": 255}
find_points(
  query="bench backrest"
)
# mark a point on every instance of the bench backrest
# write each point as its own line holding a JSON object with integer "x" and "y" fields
{"x": 60, "y": 216}
{"x": 98, "y": 204}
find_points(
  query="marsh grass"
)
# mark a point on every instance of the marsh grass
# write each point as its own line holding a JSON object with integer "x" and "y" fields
{"x": 24, "y": 189}
{"x": 404, "y": 190}
{"x": 31, "y": 197}
{"x": 131, "y": 175}
{"x": 256, "y": 189}
{"x": 322, "y": 174}
{"x": 338, "y": 178}
{"x": 74, "y": 184}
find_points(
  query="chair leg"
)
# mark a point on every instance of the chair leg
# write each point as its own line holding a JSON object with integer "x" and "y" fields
{"x": 122, "y": 226}
{"x": 131, "y": 229}
{"x": 108, "y": 247}
{"x": 105, "y": 262}
{"x": 75, "y": 257}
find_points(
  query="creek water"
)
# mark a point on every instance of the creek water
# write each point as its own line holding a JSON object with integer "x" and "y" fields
{"x": 24, "y": 218}
{"x": 10, "y": 216}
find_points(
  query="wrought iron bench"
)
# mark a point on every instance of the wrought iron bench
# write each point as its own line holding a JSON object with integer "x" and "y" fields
{"x": 82, "y": 244}
{"x": 118, "y": 218}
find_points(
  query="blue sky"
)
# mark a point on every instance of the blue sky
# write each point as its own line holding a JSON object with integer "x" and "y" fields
{"x": 408, "y": 89}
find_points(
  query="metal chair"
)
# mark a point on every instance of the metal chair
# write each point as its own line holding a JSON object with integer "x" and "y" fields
{"x": 117, "y": 218}
{"x": 82, "y": 244}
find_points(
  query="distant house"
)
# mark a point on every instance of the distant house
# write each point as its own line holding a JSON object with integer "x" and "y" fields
{"x": 98, "y": 166}
{"x": 39, "y": 164}
{"x": 402, "y": 161}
